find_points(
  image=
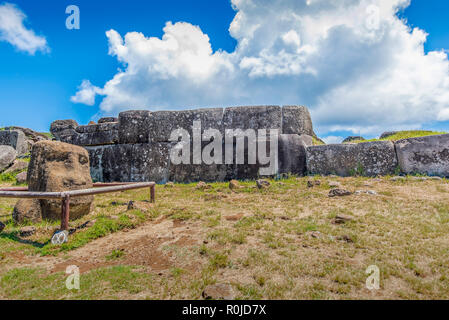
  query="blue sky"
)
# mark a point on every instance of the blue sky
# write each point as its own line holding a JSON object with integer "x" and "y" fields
{"x": 36, "y": 89}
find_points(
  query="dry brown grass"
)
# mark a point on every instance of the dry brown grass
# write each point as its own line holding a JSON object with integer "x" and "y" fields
{"x": 278, "y": 243}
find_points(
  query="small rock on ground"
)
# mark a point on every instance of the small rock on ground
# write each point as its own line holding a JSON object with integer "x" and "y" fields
{"x": 2, "y": 226}
{"x": 345, "y": 238}
{"x": 262, "y": 184}
{"x": 218, "y": 292}
{"x": 313, "y": 183}
{"x": 341, "y": 219}
{"x": 202, "y": 186}
{"x": 27, "y": 231}
{"x": 339, "y": 193}
{"x": 169, "y": 185}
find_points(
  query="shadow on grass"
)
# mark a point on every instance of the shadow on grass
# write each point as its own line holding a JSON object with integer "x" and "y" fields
{"x": 13, "y": 237}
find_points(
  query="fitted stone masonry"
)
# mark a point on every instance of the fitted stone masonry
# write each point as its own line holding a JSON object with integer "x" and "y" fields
{"x": 136, "y": 147}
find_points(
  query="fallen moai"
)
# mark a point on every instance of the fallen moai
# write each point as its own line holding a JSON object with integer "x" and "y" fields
{"x": 55, "y": 166}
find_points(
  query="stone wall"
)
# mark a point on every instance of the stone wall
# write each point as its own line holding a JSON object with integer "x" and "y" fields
{"x": 136, "y": 146}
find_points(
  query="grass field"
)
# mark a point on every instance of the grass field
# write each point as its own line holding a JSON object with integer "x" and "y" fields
{"x": 276, "y": 243}
{"x": 404, "y": 135}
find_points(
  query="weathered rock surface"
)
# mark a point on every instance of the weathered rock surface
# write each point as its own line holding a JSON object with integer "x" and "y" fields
{"x": 27, "y": 210}
{"x": 134, "y": 126}
{"x": 31, "y": 135}
{"x": 15, "y": 139}
{"x": 107, "y": 120}
{"x": 7, "y": 156}
{"x": 2, "y": 226}
{"x": 21, "y": 177}
{"x": 60, "y": 128}
{"x": 296, "y": 120}
{"x": 254, "y": 117}
{"x": 18, "y": 165}
{"x": 292, "y": 154}
{"x": 163, "y": 123}
{"x": 425, "y": 155}
{"x": 367, "y": 159}
{"x": 93, "y": 135}
{"x": 57, "y": 166}
{"x": 27, "y": 231}
{"x": 339, "y": 193}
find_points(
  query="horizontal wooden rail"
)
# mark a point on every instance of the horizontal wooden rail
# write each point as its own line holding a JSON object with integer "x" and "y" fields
{"x": 99, "y": 188}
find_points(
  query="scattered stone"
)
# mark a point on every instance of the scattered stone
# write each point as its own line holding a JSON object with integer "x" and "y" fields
{"x": 169, "y": 185}
{"x": 315, "y": 234}
{"x": 339, "y": 193}
{"x": 202, "y": 186}
{"x": 285, "y": 218}
{"x": 313, "y": 183}
{"x": 2, "y": 226}
{"x": 334, "y": 184}
{"x": 341, "y": 219}
{"x": 7, "y": 156}
{"x": 345, "y": 238}
{"x": 27, "y": 231}
{"x": 397, "y": 178}
{"x": 21, "y": 177}
{"x": 18, "y": 165}
{"x": 234, "y": 184}
{"x": 218, "y": 292}
{"x": 27, "y": 210}
{"x": 263, "y": 184}
{"x": 107, "y": 120}
{"x": 435, "y": 178}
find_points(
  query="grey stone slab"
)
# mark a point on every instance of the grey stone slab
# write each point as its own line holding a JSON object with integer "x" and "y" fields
{"x": 425, "y": 155}
{"x": 367, "y": 159}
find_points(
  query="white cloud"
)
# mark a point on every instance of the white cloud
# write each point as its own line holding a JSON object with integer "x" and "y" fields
{"x": 13, "y": 30}
{"x": 86, "y": 93}
{"x": 333, "y": 139}
{"x": 354, "y": 63}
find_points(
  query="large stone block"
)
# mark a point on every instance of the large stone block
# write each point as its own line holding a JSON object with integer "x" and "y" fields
{"x": 7, "y": 156}
{"x": 368, "y": 159}
{"x": 292, "y": 153}
{"x": 262, "y": 117}
{"x": 150, "y": 162}
{"x": 424, "y": 155}
{"x": 93, "y": 135}
{"x": 60, "y": 128}
{"x": 296, "y": 120}
{"x": 15, "y": 139}
{"x": 57, "y": 166}
{"x": 134, "y": 126}
{"x": 163, "y": 123}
